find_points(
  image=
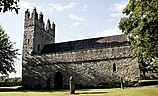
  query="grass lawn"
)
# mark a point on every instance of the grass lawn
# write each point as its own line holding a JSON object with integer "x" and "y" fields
{"x": 138, "y": 91}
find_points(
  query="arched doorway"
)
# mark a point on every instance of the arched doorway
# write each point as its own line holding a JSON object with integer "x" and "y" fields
{"x": 48, "y": 82}
{"x": 58, "y": 80}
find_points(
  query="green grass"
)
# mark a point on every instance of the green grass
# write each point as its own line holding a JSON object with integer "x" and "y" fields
{"x": 137, "y": 91}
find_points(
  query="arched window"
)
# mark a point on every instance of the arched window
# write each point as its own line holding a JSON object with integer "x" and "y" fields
{"x": 38, "y": 47}
{"x": 114, "y": 67}
{"x": 42, "y": 37}
{"x": 28, "y": 41}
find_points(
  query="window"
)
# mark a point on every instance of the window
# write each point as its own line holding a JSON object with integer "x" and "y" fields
{"x": 114, "y": 67}
{"x": 38, "y": 47}
{"x": 42, "y": 37}
{"x": 28, "y": 41}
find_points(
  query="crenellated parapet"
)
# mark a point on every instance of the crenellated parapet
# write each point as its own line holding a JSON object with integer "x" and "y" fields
{"x": 41, "y": 17}
{"x": 36, "y": 33}
{"x": 34, "y": 14}
{"x": 50, "y": 28}
{"x": 37, "y": 20}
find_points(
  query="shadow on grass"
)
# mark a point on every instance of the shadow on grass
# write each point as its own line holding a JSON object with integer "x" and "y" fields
{"x": 28, "y": 90}
{"x": 51, "y": 90}
{"x": 91, "y": 93}
{"x": 7, "y": 90}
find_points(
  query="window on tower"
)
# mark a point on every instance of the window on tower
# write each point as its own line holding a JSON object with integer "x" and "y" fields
{"x": 28, "y": 41}
{"x": 42, "y": 37}
{"x": 38, "y": 47}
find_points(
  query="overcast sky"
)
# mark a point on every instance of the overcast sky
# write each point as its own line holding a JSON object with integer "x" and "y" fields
{"x": 74, "y": 19}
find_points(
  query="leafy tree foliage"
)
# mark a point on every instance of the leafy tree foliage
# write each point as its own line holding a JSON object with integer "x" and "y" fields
{"x": 141, "y": 26}
{"x": 9, "y": 5}
{"x": 7, "y": 54}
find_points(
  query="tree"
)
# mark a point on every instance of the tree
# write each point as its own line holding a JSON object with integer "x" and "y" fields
{"x": 7, "y": 54}
{"x": 9, "y": 5}
{"x": 141, "y": 27}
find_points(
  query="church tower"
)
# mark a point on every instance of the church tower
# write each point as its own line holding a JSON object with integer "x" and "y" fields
{"x": 36, "y": 35}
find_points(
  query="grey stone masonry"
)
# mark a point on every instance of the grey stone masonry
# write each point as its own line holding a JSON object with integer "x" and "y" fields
{"x": 35, "y": 33}
{"x": 88, "y": 67}
{"x": 91, "y": 62}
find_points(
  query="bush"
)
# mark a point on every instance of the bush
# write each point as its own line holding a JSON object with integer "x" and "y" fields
{"x": 105, "y": 85}
{"x": 6, "y": 82}
{"x": 148, "y": 82}
{"x": 118, "y": 84}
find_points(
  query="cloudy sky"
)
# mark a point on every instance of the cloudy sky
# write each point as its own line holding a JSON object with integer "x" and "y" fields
{"x": 74, "y": 19}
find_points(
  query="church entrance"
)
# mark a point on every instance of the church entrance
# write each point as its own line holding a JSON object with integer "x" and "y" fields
{"x": 58, "y": 80}
{"x": 48, "y": 82}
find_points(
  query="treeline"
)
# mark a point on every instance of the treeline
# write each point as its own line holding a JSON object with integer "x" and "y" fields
{"x": 7, "y": 82}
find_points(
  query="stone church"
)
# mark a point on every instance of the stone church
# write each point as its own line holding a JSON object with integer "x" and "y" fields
{"x": 46, "y": 64}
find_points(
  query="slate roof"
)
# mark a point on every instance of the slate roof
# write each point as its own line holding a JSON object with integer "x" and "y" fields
{"x": 117, "y": 40}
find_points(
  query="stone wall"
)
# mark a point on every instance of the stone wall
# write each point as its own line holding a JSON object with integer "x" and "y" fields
{"x": 88, "y": 67}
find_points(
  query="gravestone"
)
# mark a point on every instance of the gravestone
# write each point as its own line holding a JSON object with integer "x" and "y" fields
{"x": 72, "y": 85}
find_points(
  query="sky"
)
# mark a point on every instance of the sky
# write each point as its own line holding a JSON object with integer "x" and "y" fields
{"x": 74, "y": 19}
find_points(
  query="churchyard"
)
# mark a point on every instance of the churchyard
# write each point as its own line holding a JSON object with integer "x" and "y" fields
{"x": 132, "y": 91}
